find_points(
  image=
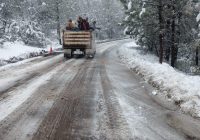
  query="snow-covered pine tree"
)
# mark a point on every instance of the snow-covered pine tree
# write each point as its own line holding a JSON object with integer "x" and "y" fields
{"x": 18, "y": 22}
{"x": 142, "y": 23}
{"x": 179, "y": 30}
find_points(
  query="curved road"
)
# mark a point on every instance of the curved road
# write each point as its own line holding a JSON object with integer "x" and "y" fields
{"x": 80, "y": 99}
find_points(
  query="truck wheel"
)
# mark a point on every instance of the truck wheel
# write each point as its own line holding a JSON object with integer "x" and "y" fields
{"x": 65, "y": 55}
{"x": 72, "y": 52}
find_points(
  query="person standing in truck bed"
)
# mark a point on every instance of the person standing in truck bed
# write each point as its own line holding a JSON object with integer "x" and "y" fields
{"x": 93, "y": 27}
{"x": 79, "y": 21}
{"x": 85, "y": 25}
{"x": 70, "y": 25}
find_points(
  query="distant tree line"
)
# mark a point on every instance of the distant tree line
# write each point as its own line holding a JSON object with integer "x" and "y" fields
{"x": 169, "y": 28}
{"x": 31, "y": 21}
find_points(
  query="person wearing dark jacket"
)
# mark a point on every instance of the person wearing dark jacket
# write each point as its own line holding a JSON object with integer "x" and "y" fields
{"x": 85, "y": 24}
{"x": 79, "y": 21}
{"x": 93, "y": 27}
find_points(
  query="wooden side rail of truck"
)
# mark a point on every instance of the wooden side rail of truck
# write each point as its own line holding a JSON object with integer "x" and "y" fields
{"x": 82, "y": 42}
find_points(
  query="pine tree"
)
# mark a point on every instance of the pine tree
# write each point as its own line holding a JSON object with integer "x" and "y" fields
{"x": 169, "y": 24}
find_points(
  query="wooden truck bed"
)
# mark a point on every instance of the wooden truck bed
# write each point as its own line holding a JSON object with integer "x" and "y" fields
{"x": 77, "y": 39}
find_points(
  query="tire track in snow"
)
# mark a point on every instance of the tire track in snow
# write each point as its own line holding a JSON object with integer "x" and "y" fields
{"x": 18, "y": 96}
{"x": 23, "y": 123}
{"x": 117, "y": 124}
{"x": 14, "y": 77}
{"x": 66, "y": 118}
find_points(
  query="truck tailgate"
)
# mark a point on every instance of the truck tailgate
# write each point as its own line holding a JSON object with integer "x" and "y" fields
{"x": 71, "y": 38}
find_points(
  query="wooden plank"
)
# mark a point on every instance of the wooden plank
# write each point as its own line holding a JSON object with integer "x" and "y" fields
{"x": 77, "y": 39}
{"x": 77, "y": 33}
{"x": 75, "y": 36}
{"x": 77, "y": 43}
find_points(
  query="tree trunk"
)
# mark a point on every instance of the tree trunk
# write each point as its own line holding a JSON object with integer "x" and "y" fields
{"x": 173, "y": 50}
{"x": 173, "y": 44}
{"x": 58, "y": 21}
{"x": 168, "y": 49}
{"x": 197, "y": 56}
{"x": 160, "y": 10}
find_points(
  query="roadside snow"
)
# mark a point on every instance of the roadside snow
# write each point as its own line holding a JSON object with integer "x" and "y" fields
{"x": 54, "y": 44}
{"x": 183, "y": 89}
{"x": 3, "y": 68}
{"x": 12, "y": 52}
{"x": 11, "y": 49}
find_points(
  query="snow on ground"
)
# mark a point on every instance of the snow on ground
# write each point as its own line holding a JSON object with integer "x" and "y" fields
{"x": 11, "y": 49}
{"x": 12, "y": 52}
{"x": 53, "y": 43}
{"x": 11, "y": 78}
{"x": 182, "y": 89}
{"x": 3, "y": 68}
{"x": 18, "y": 96}
{"x": 105, "y": 47}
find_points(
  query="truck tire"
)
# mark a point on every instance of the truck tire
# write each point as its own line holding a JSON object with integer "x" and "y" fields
{"x": 72, "y": 53}
{"x": 67, "y": 56}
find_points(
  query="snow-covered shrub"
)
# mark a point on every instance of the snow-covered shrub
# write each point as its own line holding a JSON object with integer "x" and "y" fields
{"x": 184, "y": 64}
{"x": 31, "y": 34}
{"x": 195, "y": 70}
{"x": 13, "y": 32}
{"x": 3, "y": 62}
{"x": 27, "y": 31}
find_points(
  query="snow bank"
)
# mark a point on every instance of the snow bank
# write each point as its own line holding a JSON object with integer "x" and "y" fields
{"x": 12, "y": 52}
{"x": 183, "y": 89}
{"x": 11, "y": 49}
{"x": 3, "y": 68}
{"x": 53, "y": 43}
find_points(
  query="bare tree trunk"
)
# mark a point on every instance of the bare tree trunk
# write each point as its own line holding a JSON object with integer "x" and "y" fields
{"x": 173, "y": 53}
{"x": 197, "y": 56}
{"x": 168, "y": 49}
{"x": 173, "y": 45}
{"x": 58, "y": 20}
{"x": 160, "y": 10}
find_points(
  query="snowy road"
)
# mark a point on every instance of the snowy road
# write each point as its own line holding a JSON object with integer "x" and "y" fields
{"x": 98, "y": 99}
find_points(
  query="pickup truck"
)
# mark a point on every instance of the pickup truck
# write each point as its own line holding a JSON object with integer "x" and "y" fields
{"x": 79, "y": 43}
